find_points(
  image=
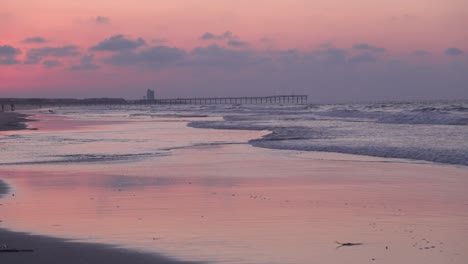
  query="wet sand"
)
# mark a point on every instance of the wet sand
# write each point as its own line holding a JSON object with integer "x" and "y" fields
{"x": 48, "y": 250}
{"x": 3, "y": 189}
{"x": 229, "y": 208}
{"x": 12, "y": 121}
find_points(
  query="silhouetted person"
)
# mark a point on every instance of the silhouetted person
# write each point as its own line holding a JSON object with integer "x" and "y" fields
{"x": 3, "y": 108}
{"x": 12, "y": 107}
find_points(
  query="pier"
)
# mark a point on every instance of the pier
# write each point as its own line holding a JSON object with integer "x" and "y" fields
{"x": 8, "y": 104}
{"x": 277, "y": 99}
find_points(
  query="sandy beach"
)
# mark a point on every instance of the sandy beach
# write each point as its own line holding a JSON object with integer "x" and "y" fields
{"x": 154, "y": 185}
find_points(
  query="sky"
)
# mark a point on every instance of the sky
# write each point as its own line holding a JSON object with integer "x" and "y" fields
{"x": 331, "y": 50}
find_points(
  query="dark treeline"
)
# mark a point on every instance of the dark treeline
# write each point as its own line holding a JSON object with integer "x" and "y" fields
{"x": 61, "y": 101}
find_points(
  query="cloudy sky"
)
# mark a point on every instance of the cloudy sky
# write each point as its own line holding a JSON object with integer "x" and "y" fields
{"x": 332, "y": 50}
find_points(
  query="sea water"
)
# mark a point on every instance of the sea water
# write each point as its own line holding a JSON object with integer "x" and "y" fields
{"x": 418, "y": 131}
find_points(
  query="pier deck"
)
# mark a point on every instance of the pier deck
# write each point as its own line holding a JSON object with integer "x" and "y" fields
{"x": 278, "y": 99}
{"x": 9, "y": 104}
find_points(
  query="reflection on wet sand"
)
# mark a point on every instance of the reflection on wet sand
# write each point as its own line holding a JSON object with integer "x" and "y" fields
{"x": 252, "y": 209}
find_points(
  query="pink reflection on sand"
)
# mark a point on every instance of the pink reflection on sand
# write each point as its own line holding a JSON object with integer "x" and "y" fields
{"x": 263, "y": 208}
{"x": 53, "y": 122}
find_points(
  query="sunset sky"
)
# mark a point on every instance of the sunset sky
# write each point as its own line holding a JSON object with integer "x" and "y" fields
{"x": 331, "y": 50}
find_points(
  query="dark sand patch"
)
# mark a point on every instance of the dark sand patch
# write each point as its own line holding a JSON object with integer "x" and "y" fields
{"x": 3, "y": 189}
{"x": 54, "y": 250}
{"x": 13, "y": 121}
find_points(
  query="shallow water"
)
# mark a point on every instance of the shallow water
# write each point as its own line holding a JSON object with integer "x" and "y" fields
{"x": 151, "y": 183}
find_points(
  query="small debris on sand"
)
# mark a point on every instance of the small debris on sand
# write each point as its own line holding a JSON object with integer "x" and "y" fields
{"x": 5, "y": 249}
{"x": 14, "y": 250}
{"x": 348, "y": 244}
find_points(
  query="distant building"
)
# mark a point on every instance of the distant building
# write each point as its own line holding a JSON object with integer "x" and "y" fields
{"x": 150, "y": 94}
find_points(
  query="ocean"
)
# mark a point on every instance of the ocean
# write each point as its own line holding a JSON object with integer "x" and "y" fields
{"x": 433, "y": 132}
{"x": 417, "y": 131}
